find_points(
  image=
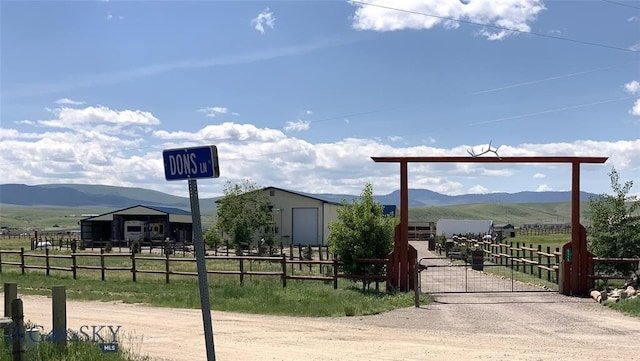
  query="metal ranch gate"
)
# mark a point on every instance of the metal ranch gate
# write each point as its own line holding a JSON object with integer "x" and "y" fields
{"x": 442, "y": 275}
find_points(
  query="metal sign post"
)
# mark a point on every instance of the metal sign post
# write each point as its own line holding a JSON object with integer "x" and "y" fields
{"x": 190, "y": 164}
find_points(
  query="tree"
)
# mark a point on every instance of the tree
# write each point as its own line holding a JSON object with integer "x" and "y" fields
{"x": 244, "y": 212}
{"x": 212, "y": 238}
{"x": 615, "y": 223}
{"x": 361, "y": 231}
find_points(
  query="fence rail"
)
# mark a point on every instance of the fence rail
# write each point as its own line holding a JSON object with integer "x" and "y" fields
{"x": 536, "y": 260}
{"x": 282, "y": 266}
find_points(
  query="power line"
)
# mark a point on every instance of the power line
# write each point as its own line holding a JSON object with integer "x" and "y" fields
{"x": 584, "y": 42}
{"x": 622, "y": 4}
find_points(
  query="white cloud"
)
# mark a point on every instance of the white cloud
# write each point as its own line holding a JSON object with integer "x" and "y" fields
{"x": 394, "y": 138}
{"x": 91, "y": 117}
{"x": 298, "y": 125}
{"x": 539, "y": 175}
{"x": 213, "y": 111}
{"x": 633, "y": 18}
{"x": 99, "y": 145}
{"x": 67, "y": 101}
{"x": 635, "y": 109}
{"x": 110, "y": 16}
{"x": 265, "y": 18}
{"x": 387, "y": 15}
{"x": 632, "y": 87}
{"x": 543, "y": 188}
{"x": 224, "y": 132}
{"x": 635, "y": 47}
{"x": 478, "y": 189}
{"x": 308, "y": 112}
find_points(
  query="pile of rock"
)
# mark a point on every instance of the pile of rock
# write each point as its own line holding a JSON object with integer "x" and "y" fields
{"x": 614, "y": 295}
{"x": 629, "y": 290}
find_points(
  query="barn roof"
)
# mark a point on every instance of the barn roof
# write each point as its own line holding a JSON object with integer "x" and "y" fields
{"x": 175, "y": 214}
{"x": 311, "y": 196}
{"x": 301, "y": 194}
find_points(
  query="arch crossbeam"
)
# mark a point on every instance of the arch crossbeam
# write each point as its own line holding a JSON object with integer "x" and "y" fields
{"x": 578, "y": 269}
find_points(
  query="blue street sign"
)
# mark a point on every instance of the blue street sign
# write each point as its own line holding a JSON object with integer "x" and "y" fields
{"x": 191, "y": 163}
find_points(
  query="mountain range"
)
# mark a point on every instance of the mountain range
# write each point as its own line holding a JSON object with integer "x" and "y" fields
{"x": 102, "y": 196}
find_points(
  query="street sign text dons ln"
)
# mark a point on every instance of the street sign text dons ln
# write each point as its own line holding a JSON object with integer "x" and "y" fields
{"x": 191, "y": 163}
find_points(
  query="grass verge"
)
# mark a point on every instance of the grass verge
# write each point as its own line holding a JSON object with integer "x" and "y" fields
{"x": 259, "y": 295}
{"x": 630, "y": 307}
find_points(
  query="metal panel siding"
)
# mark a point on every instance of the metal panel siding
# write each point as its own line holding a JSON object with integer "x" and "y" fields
{"x": 180, "y": 218}
{"x": 450, "y": 227}
{"x": 305, "y": 226}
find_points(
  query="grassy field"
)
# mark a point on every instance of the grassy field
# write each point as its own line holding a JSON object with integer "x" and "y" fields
{"x": 44, "y": 218}
{"x": 502, "y": 213}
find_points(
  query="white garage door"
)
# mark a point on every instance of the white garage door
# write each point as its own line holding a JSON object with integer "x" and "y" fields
{"x": 305, "y": 226}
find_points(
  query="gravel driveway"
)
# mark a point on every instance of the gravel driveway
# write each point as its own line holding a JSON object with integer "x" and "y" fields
{"x": 468, "y": 326}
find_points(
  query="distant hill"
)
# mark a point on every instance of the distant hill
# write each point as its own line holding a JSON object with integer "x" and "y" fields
{"x": 425, "y": 198}
{"x": 83, "y": 195}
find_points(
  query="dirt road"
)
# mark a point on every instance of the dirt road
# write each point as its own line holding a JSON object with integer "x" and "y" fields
{"x": 504, "y": 326}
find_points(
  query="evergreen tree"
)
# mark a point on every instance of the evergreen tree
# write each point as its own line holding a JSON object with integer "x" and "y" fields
{"x": 362, "y": 231}
{"x": 615, "y": 224}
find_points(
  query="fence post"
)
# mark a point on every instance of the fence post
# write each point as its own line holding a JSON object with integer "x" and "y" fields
{"x": 530, "y": 259}
{"x": 320, "y": 258}
{"x": 17, "y": 316}
{"x": 548, "y": 264}
{"x": 335, "y": 273}
{"x": 59, "y": 305}
{"x": 539, "y": 261}
{"x": 22, "y": 259}
{"x": 133, "y": 263}
{"x": 46, "y": 259}
{"x": 241, "y": 271}
{"x": 0, "y": 261}
{"x": 300, "y": 255}
{"x": 284, "y": 270}
{"x": 166, "y": 266}
{"x": 511, "y": 254}
{"x": 10, "y": 294}
{"x": 102, "y": 264}
{"x": 74, "y": 265}
{"x": 557, "y": 263}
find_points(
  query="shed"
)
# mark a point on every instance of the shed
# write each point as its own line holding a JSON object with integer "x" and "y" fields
{"x": 505, "y": 230}
{"x": 300, "y": 218}
{"x": 140, "y": 222}
{"x": 449, "y": 227}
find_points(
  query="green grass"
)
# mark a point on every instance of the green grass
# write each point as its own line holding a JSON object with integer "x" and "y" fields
{"x": 630, "y": 307}
{"x": 75, "y": 351}
{"x": 502, "y": 213}
{"x": 44, "y": 218}
{"x": 259, "y": 295}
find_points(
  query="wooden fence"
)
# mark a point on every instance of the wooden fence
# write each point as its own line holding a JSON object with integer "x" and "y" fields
{"x": 283, "y": 267}
{"x": 536, "y": 260}
{"x": 541, "y": 231}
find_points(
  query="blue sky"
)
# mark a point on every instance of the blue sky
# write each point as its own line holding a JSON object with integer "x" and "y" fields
{"x": 300, "y": 94}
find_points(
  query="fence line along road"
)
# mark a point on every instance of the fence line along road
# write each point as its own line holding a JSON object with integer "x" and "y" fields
{"x": 283, "y": 267}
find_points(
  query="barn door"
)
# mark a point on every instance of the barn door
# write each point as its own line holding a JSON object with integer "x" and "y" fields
{"x": 305, "y": 226}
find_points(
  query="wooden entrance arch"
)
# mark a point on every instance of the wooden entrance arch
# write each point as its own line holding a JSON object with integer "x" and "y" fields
{"x": 574, "y": 268}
